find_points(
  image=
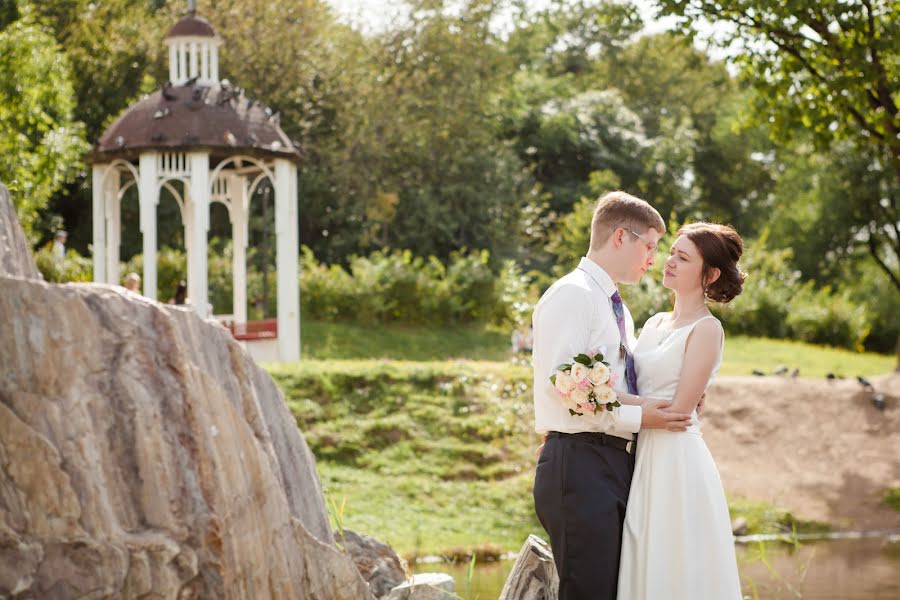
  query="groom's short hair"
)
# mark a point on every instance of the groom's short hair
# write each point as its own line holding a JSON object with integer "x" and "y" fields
{"x": 620, "y": 209}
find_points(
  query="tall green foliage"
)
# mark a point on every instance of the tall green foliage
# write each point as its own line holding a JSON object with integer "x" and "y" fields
{"x": 831, "y": 69}
{"x": 40, "y": 140}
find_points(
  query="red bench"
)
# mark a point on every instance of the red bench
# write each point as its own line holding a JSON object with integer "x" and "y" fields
{"x": 254, "y": 330}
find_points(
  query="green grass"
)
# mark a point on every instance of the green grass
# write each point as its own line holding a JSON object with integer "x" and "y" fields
{"x": 328, "y": 341}
{"x": 322, "y": 340}
{"x": 432, "y": 457}
{"x": 763, "y": 517}
{"x": 743, "y": 354}
{"x": 892, "y": 498}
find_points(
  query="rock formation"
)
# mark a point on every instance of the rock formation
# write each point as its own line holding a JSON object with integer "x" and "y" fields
{"x": 142, "y": 451}
{"x": 15, "y": 258}
{"x": 533, "y": 576}
{"x": 376, "y": 561}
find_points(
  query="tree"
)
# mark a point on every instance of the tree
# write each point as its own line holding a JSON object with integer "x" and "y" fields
{"x": 833, "y": 67}
{"x": 40, "y": 141}
{"x": 707, "y": 162}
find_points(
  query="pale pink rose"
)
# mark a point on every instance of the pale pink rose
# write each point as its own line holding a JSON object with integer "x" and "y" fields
{"x": 613, "y": 379}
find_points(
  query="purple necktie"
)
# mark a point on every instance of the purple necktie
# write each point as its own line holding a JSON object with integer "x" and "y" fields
{"x": 630, "y": 374}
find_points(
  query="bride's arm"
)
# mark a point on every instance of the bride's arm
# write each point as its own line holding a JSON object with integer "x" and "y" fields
{"x": 630, "y": 399}
{"x": 700, "y": 356}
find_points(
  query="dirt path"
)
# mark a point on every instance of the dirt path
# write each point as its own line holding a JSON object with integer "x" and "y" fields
{"x": 815, "y": 447}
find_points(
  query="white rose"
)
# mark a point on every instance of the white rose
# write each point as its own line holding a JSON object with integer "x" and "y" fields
{"x": 599, "y": 374}
{"x": 564, "y": 383}
{"x": 579, "y": 396}
{"x": 605, "y": 394}
{"x": 579, "y": 372}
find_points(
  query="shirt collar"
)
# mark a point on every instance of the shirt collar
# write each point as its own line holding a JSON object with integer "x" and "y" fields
{"x": 600, "y": 276}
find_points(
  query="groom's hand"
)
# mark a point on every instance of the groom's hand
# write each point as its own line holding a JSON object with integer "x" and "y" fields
{"x": 654, "y": 417}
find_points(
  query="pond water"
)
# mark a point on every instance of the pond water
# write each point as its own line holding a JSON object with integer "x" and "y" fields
{"x": 844, "y": 569}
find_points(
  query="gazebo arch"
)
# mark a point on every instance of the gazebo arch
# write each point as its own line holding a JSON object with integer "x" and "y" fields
{"x": 177, "y": 133}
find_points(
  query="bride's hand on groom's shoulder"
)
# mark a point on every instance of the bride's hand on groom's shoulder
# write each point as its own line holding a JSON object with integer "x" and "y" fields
{"x": 655, "y": 416}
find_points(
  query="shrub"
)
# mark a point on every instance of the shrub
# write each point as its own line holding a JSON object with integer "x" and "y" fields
{"x": 56, "y": 269}
{"x": 395, "y": 286}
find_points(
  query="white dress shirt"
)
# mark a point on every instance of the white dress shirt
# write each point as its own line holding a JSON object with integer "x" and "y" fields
{"x": 575, "y": 316}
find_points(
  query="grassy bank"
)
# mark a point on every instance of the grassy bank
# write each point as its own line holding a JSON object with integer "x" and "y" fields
{"x": 327, "y": 341}
{"x": 430, "y": 457}
{"x": 436, "y": 458}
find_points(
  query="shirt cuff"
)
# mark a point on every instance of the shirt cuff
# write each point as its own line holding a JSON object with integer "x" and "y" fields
{"x": 629, "y": 418}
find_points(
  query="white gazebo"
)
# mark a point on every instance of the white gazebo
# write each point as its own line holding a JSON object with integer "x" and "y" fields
{"x": 220, "y": 145}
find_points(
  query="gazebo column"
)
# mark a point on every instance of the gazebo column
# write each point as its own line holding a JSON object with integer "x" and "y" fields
{"x": 237, "y": 186}
{"x": 199, "y": 208}
{"x": 287, "y": 249}
{"x": 113, "y": 225}
{"x": 98, "y": 171}
{"x": 148, "y": 197}
{"x": 187, "y": 220}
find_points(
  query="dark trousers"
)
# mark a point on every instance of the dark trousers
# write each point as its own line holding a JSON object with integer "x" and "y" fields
{"x": 580, "y": 492}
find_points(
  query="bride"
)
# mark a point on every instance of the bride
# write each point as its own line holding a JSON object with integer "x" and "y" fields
{"x": 677, "y": 541}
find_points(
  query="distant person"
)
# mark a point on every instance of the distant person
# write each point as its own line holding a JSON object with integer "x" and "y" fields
{"x": 522, "y": 340}
{"x": 180, "y": 297}
{"x": 59, "y": 244}
{"x": 133, "y": 283}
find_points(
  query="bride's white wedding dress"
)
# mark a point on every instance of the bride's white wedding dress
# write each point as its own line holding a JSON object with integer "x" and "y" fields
{"x": 677, "y": 542}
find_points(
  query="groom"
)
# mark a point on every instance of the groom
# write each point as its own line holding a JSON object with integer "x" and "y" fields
{"x": 585, "y": 467}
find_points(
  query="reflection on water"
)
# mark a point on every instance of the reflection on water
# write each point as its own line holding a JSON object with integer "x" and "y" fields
{"x": 860, "y": 569}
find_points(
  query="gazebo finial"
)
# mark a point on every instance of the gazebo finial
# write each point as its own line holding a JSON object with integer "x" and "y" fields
{"x": 192, "y": 7}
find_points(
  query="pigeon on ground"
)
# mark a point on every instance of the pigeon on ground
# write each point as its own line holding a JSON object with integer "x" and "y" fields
{"x": 781, "y": 370}
{"x": 758, "y": 372}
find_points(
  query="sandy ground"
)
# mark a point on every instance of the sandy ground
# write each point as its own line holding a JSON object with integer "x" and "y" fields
{"x": 818, "y": 448}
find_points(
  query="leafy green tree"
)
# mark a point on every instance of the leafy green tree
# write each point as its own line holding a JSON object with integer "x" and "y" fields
{"x": 831, "y": 67}
{"x": 707, "y": 161}
{"x": 418, "y": 164}
{"x": 569, "y": 36}
{"x": 40, "y": 141}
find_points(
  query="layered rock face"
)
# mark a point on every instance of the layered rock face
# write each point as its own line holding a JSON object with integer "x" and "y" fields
{"x": 144, "y": 454}
{"x": 15, "y": 258}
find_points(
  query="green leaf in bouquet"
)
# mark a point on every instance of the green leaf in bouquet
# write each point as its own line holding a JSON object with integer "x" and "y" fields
{"x": 573, "y": 413}
{"x": 564, "y": 367}
{"x": 583, "y": 359}
{"x": 553, "y": 379}
{"x": 598, "y": 357}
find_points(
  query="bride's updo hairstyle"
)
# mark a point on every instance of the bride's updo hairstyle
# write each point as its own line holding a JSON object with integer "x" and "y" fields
{"x": 720, "y": 247}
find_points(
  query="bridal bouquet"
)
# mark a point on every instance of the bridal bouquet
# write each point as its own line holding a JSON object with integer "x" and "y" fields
{"x": 586, "y": 384}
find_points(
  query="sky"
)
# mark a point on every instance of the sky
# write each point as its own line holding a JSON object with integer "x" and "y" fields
{"x": 376, "y": 15}
{"x": 373, "y": 15}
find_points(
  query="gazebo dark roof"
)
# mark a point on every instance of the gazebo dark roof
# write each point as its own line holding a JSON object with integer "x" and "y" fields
{"x": 192, "y": 25}
{"x": 219, "y": 118}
